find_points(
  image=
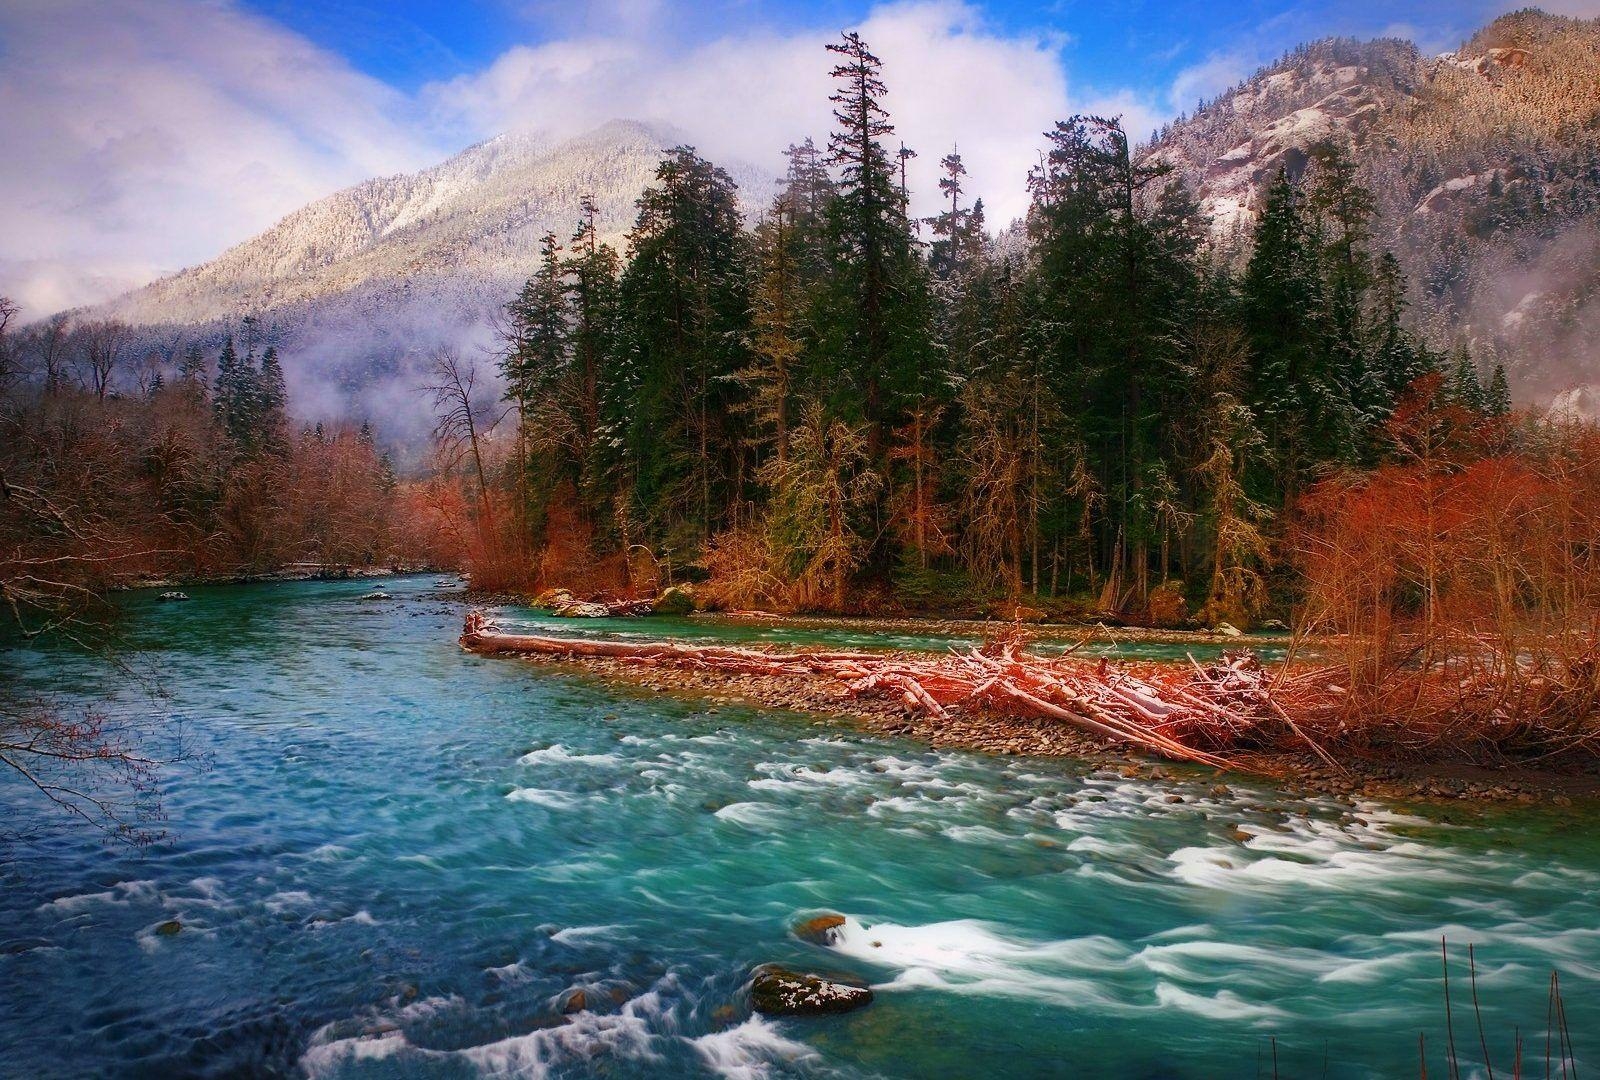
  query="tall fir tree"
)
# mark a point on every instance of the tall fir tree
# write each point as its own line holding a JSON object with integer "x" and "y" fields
{"x": 1299, "y": 401}
{"x": 685, "y": 295}
{"x": 592, "y": 270}
{"x": 874, "y": 314}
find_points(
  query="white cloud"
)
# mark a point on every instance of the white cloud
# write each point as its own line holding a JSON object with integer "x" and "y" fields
{"x": 952, "y": 80}
{"x": 144, "y": 136}
{"x": 1209, "y": 78}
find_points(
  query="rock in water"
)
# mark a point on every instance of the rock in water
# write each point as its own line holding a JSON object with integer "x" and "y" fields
{"x": 582, "y": 609}
{"x": 822, "y": 930}
{"x": 168, "y": 928}
{"x": 678, "y": 600}
{"x": 1227, "y": 630}
{"x": 171, "y": 596}
{"x": 778, "y": 991}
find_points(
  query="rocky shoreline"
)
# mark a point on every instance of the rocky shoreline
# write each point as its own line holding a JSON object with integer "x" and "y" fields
{"x": 1439, "y": 781}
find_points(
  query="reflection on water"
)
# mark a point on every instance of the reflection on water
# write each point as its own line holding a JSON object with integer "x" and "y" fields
{"x": 404, "y": 860}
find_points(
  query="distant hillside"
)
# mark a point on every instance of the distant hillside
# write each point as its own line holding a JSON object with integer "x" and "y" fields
{"x": 1486, "y": 167}
{"x": 364, "y": 284}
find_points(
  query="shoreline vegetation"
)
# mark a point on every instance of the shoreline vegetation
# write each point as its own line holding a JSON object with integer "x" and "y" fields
{"x": 1291, "y": 763}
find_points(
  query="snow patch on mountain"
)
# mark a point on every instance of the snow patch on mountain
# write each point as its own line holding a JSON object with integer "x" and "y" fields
{"x": 364, "y": 285}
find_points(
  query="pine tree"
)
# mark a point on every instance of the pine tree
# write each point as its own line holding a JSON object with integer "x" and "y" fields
{"x": 956, "y": 243}
{"x": 818, "y": 492}
{"x": 1340, "y": 209}
{"x": 870, "y": 239}
{"x": 1398, "y": 357}
{"x": 535, "y": 363}
{"x": 1301, "y": 404}
{"x": 874, "y": 314}
{"x": 809, "y": 193}
{"x": 273, "y": 393}
{"x": 685, "y": 295}
{"x": 769, "y": 380}
{"x": 234, "y": 397}
{"x": 1466, "y": 389}
{"x": 192, "y": 371}
{"x": 1116, "y": 241}
{"x": 592, "y": 272}
{"x": 1497, "y": 399}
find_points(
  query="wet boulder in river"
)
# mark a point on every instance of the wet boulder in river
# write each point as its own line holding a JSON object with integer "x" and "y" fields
{"x": 553, "y": 598}
{"x": 821, "y": 930}
{"x": 777, "y": 991}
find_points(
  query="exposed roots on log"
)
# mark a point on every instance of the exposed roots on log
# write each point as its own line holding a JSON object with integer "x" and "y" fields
{"x": 1194, "y": 713}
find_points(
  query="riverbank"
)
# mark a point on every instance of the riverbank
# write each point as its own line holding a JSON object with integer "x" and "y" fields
{"x": 291, "y": 572}
{"x": 986, "y": 731}
{"x": 1089, "y": 631}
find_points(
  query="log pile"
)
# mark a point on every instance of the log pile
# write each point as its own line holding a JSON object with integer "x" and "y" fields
{"x": 1189, "y": 713}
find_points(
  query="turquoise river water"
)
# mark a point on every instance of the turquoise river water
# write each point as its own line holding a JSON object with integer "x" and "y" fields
{"x": 399, "y": 860}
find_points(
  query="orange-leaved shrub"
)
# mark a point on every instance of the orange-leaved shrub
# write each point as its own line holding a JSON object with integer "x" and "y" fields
{"x": 1459, "y": 583}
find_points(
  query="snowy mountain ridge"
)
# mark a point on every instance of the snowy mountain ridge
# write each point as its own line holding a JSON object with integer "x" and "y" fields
{"x": 1483, "y": 164}
{"x": 363, "y": 285}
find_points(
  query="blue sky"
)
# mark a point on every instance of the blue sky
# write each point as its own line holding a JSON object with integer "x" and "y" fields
{"x": 148, "y": 135}
{"x": 1142, "y": 45}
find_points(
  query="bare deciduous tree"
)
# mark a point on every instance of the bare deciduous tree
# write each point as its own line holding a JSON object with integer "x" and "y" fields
{"x": 52, "y": 346}
{"x": 54, "y": 566}
{"x": 8, "y": 359}
{"x": 103, "y": 344}
{"x": 460, "y": 422}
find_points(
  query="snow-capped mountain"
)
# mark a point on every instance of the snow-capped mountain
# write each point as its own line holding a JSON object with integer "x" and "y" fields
{"x": 362, "y": 286}
{"x": 1484, "y": 164}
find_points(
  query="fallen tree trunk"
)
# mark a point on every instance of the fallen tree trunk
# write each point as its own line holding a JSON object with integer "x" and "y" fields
{"x": 1167, "y": 710}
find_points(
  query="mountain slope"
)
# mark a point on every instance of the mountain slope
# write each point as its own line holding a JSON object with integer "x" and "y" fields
{"x": 1485, "y": 165}
{"x": 363, "y": 285}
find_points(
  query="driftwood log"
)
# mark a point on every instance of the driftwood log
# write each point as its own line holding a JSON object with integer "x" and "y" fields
{"x": 1194, "y": 713}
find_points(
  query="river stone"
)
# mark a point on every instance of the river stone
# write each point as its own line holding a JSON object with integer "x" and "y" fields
{"x": 582, "y": 609}
{"x": 678, "y": 600}
{"x": 574, "y": 1001}
{"x": 168, "y": 928}
{"x": 777, "y": 991}
{"x": 822, "y": 930}
{"x": 1227, "y": 630}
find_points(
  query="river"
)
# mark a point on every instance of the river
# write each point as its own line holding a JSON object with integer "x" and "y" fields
{"x": 399, "y": 860}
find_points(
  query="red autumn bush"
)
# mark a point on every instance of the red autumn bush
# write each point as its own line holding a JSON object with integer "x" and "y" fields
{"x": 1461, "y": 582}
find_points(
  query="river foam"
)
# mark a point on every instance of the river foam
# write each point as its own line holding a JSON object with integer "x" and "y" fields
{"x": 749, "y": 1051}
